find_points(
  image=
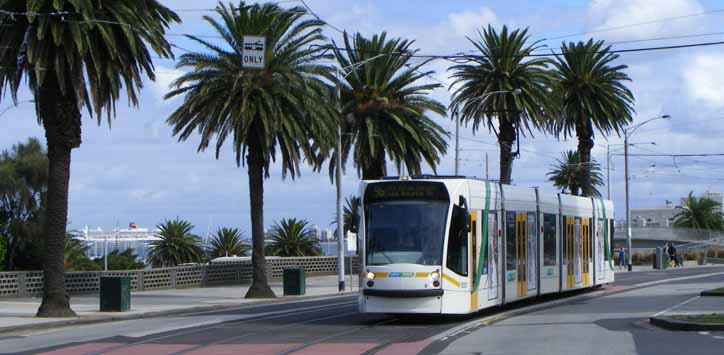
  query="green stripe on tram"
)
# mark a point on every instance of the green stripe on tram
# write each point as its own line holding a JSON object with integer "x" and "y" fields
{"x": 605, "y": 234}
{"x": 484, "y": 244}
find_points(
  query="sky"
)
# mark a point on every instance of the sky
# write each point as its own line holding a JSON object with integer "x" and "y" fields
{"x": 135, "y": 171}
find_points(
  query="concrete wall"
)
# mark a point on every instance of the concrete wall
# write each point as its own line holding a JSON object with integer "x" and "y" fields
{"x": 30, "y": 283}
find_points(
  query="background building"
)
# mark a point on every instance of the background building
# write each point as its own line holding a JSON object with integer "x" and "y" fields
{"x": 99, "y": 241}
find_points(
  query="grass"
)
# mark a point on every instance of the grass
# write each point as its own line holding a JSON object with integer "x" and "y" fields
{"x": 714, "y": 318}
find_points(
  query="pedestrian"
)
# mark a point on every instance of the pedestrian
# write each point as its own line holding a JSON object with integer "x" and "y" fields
{"x": 621, "y": 258}
{"x": 672, "y": 254}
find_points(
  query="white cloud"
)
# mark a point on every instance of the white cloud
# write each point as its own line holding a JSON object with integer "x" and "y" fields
{"x": 467, "y": 23}
{"x": 608, "y": 14}
{"x": 704, "y": 79}
{"x": 164, "y": 77}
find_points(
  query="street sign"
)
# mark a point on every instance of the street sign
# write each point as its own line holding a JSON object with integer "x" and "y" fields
{"x": 253, "y": 52}
{"x": 351, "y": 241}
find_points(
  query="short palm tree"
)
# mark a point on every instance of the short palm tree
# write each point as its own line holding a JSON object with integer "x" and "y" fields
{"x": 350, "y": 213}
{"x": 75, "y": 255}
{"x": 176, "y": 245}
{"x": 590, "y": 95}
{"x": 73, "y": 55}
{"x": 386, "y": 107}
{"x": 568, "y": 174}
{"x": 700, "y": 213}
{"x": 293, "y": 237}
{"x": 282, "y": 111}
{"x": 488, "y": 86}
{"x": 228, "y": 242}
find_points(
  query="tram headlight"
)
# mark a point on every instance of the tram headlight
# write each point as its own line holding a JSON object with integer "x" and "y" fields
{"x": 435, "y": 275}
{"x": 370, "y": 275}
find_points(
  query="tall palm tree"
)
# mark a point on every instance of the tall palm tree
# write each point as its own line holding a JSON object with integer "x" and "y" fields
{"x": 293, "y": 237}
{"x": 700, "y": 213}
{"x": 386, "y": 107}
{"x": 228, "y": 242}
{"x": 488, "y": 85}
{"x": 591, "y": 95}
{"x": 176, "y": 245}
{"x": 568, "y": 174}
{"x": 283, "y": 110}
{"x": 74, "y": 54}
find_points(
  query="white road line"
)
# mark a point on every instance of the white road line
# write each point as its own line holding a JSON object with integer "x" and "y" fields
{"x": 676, "y": 306}
{"x": 650, "y": 283}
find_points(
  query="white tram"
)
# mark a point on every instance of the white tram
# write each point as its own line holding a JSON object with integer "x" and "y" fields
{"x": 454, "y": 245}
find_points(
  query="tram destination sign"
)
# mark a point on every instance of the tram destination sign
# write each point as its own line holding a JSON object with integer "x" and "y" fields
{"x": 407, "y": 190}
{"x": 252, "y": 53}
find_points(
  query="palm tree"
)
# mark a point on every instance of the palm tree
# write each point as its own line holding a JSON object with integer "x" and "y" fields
{"x": 228, "y": 242}
{"x": 700, "y": 213}
{"x": 569, "y": 171}
{"x": 176, "y": 245}
{"x": 489, "y": 85}
{"x": 293, "y": 237}
{"x": 591, "y": 95}
{"x": 350, "y": 214}
{"x": 75, "y": 54}
{"x": 75, "y": 255}
{"x": 386, "y": 107}
{"x": 283, "y": 109}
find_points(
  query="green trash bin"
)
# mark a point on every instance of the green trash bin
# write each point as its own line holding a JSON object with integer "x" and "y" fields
{"x": 115, "y": 293}
{"x": 294, "y": 281}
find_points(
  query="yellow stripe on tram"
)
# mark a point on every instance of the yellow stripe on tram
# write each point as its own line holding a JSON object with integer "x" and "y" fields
{"x": 451, "y": 280}
{"x": 380, "y": 274}
{"x": 421, "y": 274}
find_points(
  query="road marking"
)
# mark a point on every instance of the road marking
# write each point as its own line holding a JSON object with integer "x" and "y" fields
{"x": 704, "y": 333}
{"x": 676, "y": 306}
{"x": 718, "y": 337}
{"x": 650, "y": 283}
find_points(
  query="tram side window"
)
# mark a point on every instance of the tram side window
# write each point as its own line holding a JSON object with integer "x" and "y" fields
{"x": 492, "y": 228}
{"x": 549, "y": 239}
{"x": 510, "y": 242}
{"x": 457, "y": 246}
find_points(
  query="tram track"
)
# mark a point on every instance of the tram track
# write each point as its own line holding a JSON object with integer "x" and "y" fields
{"x": 276, "y": 315}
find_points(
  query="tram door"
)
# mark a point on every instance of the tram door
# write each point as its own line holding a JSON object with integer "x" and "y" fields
{"x": 578, "y": 251}
{"x": 573, "y": 246}
{"x": 493, "y": 248}
{"x": 600, "y": 247}
{"x": 521, "y": 233}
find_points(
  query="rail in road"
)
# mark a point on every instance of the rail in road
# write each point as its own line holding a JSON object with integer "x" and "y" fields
{"x": 330, "y": 326}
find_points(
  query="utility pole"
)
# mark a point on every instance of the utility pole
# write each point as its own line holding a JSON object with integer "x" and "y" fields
{"x": 628, "y": 212}
{"x": 486, "y": 166}
{"x": 457, "y": 141}
{"x": 338, "y": 180}
{"x": 608, "y": 171}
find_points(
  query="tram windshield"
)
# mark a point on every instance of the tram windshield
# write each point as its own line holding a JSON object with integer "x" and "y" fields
{"x": 408, "y": 231}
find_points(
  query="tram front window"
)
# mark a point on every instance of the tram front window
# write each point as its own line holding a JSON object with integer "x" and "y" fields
{"x": 405, "y": 232}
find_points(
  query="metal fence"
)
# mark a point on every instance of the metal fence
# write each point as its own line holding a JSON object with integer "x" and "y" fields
{"x": 30, "y": 283}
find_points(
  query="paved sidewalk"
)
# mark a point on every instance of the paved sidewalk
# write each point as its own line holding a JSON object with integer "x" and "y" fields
{"x": 649, "y": 267}
{"x": 19, "y": 313}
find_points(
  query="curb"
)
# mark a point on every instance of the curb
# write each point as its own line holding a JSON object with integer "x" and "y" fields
{"x": 156, "y": 314}
{"x": 681, "y": 325}
{"x": 712, "y": 294}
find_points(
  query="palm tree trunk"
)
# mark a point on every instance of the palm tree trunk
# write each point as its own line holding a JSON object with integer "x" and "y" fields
{"x": 259, "y": 284}
{"x": 61, "y": 119}
{"x": 585, "y": 144}
{"x": 376, "y": 167}
{"x": 506, "y": 138}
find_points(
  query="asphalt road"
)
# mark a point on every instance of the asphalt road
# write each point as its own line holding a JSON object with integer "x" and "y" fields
{"x": 332, "y": 326}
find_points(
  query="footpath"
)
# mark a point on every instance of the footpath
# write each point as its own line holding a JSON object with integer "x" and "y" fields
{"x": 18, "y": 314}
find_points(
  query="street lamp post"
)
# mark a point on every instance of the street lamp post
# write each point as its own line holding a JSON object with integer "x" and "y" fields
{"x": 338, "y": 179}
{"x": 626, "y": 134}
{"x": 457, "y": 121}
